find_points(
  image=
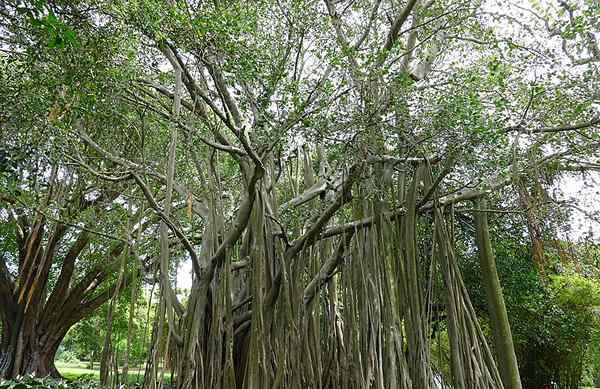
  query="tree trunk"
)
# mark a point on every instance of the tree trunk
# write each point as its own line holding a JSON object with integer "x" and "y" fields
{"x": 35, "y": 313}
{"x": 31, "y": 350}
{"x": 33, "y": 325}
{"x": 507, "y": 360}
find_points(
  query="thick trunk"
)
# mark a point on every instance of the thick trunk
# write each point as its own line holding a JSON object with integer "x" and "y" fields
{"x": 41, "y": 363}
{"x": 34, "y": 317}
{"x": 31, "y": 351}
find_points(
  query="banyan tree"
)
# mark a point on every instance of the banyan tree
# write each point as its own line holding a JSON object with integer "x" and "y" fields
{"x": 319, "y": 164}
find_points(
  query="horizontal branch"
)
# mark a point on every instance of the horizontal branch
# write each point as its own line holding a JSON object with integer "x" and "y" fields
{"x": 571, "y": 127}
{"x": 314, "y": 230}
{"x": 411, "y": 160}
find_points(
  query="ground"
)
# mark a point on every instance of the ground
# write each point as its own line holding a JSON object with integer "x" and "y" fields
{"x": 75, "y": 370}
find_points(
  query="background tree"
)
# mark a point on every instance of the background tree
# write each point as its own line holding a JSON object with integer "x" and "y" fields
{"x": 62, "y": 230}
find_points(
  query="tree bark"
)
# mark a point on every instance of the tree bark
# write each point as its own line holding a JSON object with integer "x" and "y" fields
{"x": 30, "y": 349}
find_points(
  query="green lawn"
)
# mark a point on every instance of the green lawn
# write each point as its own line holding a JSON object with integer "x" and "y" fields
{"x": 75, "y": 370}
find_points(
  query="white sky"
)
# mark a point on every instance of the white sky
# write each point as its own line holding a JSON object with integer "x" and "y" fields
{"x": 184, "y": 275}
{"x": 586, "y": 193}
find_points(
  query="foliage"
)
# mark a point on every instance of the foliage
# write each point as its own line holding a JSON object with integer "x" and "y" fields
{"x": 67, "y": 356}
{"x": 575, "y": 291}
{"x": 553, "y": 321}
{"x": 85, "y": 339}
{"x": 46, "y": 383}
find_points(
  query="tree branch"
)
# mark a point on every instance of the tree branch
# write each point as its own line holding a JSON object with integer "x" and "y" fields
{"x": 392, "y": 35}
{"x": 154, "y": 205}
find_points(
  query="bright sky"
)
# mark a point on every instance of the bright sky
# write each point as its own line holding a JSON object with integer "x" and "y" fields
{"x": 184, "y": 275}
{"x": 585, "y": 222}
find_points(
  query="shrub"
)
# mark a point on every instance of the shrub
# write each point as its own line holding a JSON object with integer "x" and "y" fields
{"x": 46, "y": 383}
{"x": 66, "y": 356}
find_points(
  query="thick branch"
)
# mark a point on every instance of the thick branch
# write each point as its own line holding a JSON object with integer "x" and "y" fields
{"x": 241, "y": 221}
{"x": 397, "y": 25}
{"x": 342, "y": 198}
{"x": 62, "y": 284}
{"x": 570, "y": 127}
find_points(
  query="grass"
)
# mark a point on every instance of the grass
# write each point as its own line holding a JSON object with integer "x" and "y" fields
{"x": 81, "y": 370}
{"x": 77, "y": 370}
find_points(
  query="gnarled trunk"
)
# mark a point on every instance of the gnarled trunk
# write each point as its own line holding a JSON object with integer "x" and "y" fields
{"x": 36, "y": 318}
{"x": 30, "y": 346}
